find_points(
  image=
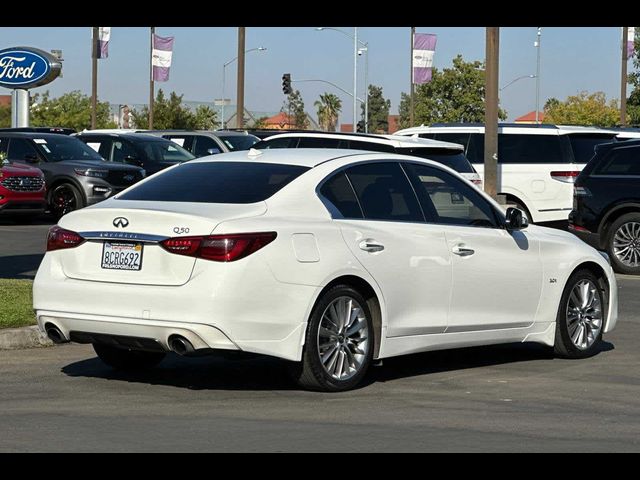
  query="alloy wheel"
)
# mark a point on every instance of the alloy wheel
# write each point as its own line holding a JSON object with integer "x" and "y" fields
{"x": 584, "y": 314}
{"x": 626, "y": 244}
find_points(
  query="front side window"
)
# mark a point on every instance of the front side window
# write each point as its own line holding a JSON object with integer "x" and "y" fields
{"x": 239, "y": 142}
{"x": 342, "y": 201}
{"x": 620, "y": 161}
{"x": 447, "y": 200}
{"x": 164, "y": 151}
{"x": 57, "y": 148}
{"x": 384, "y": 192}
{"x": 121, "y": 151}
{"x": 20, "y": 149}
{"x": 206, "y": 146}
{"x": 216, "y": 182}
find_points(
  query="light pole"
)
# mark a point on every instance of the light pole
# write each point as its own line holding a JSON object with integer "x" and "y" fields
{"x": 224, "y": 77}
{"x": 537, "y": 45}
{"x": 356, "y": 51}
{"x": 515, "y": 80}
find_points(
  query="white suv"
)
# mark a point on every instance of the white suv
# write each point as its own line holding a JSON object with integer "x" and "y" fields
{"x": 446, "y": 153}
{"x": 537, "y": 165}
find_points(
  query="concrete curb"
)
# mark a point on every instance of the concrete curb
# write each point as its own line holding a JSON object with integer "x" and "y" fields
{"x": 25, "y": 337}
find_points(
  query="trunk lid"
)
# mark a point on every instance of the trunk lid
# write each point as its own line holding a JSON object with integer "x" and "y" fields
{"x": 145, "y": 223}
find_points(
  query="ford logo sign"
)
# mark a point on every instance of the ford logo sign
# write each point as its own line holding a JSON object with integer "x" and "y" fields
{"x": 26, "y": 67}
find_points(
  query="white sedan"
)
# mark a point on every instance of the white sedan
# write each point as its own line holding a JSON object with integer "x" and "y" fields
{"x": 326, "y": 258}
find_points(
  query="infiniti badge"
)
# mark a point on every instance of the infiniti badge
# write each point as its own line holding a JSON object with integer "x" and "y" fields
{"x": 120, "y": 222}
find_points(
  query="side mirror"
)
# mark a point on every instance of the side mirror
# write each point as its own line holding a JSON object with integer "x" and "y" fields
{"x": 516, "y": 220}
{"x": 31, "y": 158}
{"x": 131, "y": 160}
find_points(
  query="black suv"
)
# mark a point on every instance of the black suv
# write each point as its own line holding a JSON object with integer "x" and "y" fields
{"x": 606, "y": 207}
{"x": 153, "y": 153}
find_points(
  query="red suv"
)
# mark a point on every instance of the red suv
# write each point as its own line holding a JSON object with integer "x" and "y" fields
{"x": 22, "y": 189}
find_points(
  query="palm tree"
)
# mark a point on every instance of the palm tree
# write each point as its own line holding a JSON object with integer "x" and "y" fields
{"x": 329, "y": 107}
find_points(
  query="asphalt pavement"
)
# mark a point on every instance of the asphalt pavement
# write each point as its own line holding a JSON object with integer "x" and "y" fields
{"x": 502, "y": 398}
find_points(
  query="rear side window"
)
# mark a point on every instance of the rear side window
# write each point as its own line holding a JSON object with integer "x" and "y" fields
{"x": 371, "y": 146}
{"x": 286, "y": 142}
{"x": 515, "y": 148}
{"x": 318, "y": 142}
{"x": 620, "y": 161}
{"x": 216, "y": 182}
{"x": 454, "y": 159}
{"x": 583, "y": 145}
{"x": 384, "y": 192}
{"x": 341, "y": 199}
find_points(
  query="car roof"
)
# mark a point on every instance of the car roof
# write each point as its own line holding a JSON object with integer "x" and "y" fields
{"x": 396, "y": 141}
{"x": 125, "y": 134}
{"x": 307, "y": 157}
{"x": 32, "y": 135}
{"x": 542, "y": 129}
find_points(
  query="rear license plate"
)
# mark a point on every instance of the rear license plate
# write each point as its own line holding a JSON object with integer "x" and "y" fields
{"x": 122, "y": 256}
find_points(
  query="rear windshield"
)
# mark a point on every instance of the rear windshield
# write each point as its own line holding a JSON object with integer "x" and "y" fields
{"x": 583, "y": 145}
{"x": 454, "y": 159}
{"x": 216, "y": 182}
{"x": 167, "y": 151}
{"x": 238, "y": 142}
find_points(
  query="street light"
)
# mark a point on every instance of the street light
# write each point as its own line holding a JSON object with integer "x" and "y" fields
{"x": 356, "y": 52}
{"x": 515, "y": 80}
{"x": 537, "y": 45}
{"x": 224, "y": 77}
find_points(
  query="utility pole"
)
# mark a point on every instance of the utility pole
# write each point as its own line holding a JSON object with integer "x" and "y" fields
{"x": 538, "y": 75}
{"x": 94, "y": 77}
{"x": 355, "y": 78}
{"x": 491, "y": 112}
{"x": 240, "y": 86}
{"x": 151, "y": 85}
{"x": 623, "y": 78}
{"x": 411, "y": 109}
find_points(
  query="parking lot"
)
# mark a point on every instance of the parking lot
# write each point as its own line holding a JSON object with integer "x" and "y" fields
{"x": 503, "y": 398}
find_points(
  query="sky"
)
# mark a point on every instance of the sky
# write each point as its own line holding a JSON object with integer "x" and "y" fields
{"x": 573, "y": 59}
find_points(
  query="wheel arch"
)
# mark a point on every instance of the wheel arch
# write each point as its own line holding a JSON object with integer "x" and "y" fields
{"x": 612, "y": 215}
{"x": 62, "y": 180}
{"x": 365, "y": 288}
{"x": 603, "y": 281}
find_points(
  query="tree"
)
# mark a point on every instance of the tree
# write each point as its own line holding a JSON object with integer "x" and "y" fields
{"x": 378, "y": 117}
{"x": 633, "y": 102}
{"x": 260, "y": 122}
{"x": 169, "y": 113}
{"x": 454, "y": 94}
{"x": 329, "y": 107}
{"x": 294, "y": 108}
{"x": 71, "y": 110}
{"x": 5, "y": 116}
{"x": 583, "y": 109}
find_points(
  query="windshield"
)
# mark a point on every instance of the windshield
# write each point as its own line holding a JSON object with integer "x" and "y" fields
{"x": 583, "y": 145}
{"x": 239, "y": 142}
{"x": 454, "y": 159}
{"x": 60, "y": 147}
{"x": 159, "y": 151}
{"x": 216, "y": 182}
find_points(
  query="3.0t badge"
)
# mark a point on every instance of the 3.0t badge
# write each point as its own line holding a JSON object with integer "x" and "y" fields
{"x": 120, "y": 222}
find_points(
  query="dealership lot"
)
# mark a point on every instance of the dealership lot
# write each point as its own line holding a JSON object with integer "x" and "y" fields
{"x": 511, "y": 397}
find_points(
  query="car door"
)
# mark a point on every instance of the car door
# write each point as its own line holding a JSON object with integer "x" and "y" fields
{"x": 383, "y": 226}
{"x": 497, "y": 274}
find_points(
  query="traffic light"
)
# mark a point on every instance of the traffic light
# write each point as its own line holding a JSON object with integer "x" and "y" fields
{"x": 286, "y": 84}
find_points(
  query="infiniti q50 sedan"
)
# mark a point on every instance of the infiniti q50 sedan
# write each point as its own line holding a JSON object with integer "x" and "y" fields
{"x": 327, "y": 258}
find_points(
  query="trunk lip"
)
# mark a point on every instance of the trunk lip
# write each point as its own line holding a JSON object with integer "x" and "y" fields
{"x": 127, "y": 236}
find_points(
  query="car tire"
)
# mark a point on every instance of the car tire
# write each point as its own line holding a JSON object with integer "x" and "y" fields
{"x": 121, "y": 359}
{"x": 625, "y": 231}
{"x": 581, "y": 317}
{"x": 65, "y": 198}
{"x": 339, "y": 345}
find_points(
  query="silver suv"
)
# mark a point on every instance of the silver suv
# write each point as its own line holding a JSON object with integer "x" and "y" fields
{"x": 76, "y": 176}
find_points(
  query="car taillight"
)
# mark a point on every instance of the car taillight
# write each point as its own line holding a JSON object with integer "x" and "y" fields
{"x": 60, "y": 239}
{"x": 566, "y": 177}
{"x": 219, "y": 248}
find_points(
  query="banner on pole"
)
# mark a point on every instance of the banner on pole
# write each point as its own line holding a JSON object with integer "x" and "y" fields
{"x": 424, "y": 46}
{"x": 161, "y": 57}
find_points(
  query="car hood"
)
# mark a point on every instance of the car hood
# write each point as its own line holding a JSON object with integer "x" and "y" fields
{"x": 98, "y": 164}
{"x": 15, "y": 169}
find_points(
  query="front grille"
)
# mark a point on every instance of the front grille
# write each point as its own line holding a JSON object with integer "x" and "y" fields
{"x": 23, "y": 184}
{"x": 125, "y": 178}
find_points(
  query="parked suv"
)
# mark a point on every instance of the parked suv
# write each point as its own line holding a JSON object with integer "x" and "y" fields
{"x": 151, "y": 152}
{"x": 202, "y": 142}
{"x": 449, "y": 154}
{"x": 537, "y": 164}
{"x": 22, "y": 190}
{"x": 606, "y": 212}
{"x": 76, "y": 176}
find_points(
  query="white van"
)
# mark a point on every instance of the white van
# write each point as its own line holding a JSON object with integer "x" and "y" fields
{"x": 537, "y": 165}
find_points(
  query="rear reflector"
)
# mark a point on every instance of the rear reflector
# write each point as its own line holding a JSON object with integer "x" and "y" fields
{"x": 566, "y": 177}
{"x": 219, "y": 248}
{"x": 60, "y": 239}
{"x": 578, "y": 228}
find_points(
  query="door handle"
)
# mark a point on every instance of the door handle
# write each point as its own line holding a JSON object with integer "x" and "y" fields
{"x": 462, "y": 251}
{"x": 371, "y": 246}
